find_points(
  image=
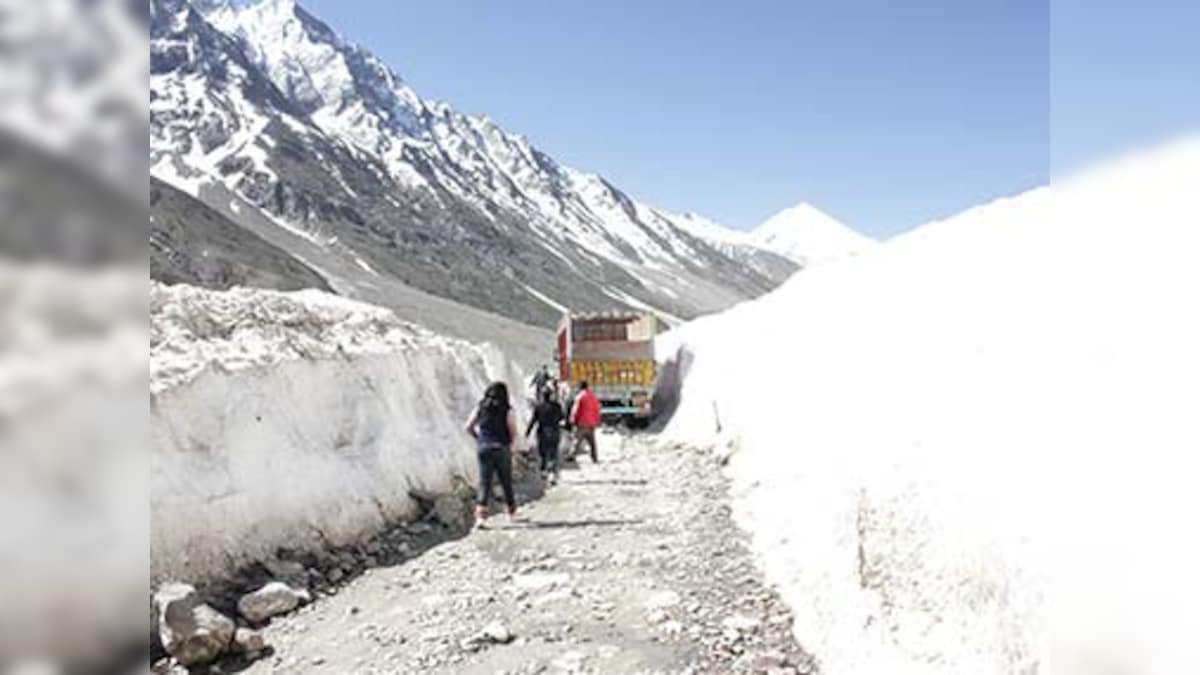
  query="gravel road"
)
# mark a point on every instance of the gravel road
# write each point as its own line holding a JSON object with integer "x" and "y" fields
{"x": 632, "y": 565}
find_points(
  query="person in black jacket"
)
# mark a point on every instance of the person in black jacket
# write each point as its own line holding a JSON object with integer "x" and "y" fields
{"x": 548, "y": 418}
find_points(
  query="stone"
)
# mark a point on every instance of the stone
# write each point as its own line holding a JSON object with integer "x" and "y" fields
{"x": 335, "y": 575}
{"x": 657, "y": 616}
{"x": 289, "y": 571}
{"x": 672, "y": 627}
{"x": 191, "y": 631}
{"x": 496, "y": 632}
{"x": 451, "y": 511}
{"x": 740, "y": 623}
{"x": 763, "y": 661}
{"x": 248, "y": 641}
{"x": 271, "y": 600}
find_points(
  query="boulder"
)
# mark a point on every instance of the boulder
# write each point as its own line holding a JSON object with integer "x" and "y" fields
{"x": 248, "y": 641}
{"x": 271, "y": 600}
{"x": 451, "y": 511}
{"x": 288, "y": 571}
{"x": 190, "y": 630}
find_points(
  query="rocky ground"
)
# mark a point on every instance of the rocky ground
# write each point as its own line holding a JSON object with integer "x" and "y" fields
{"x": 632, "y": 565}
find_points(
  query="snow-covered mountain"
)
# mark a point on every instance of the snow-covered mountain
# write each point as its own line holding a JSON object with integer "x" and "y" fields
{"x": 267, "y": 114}
{"x": 806, "y": 235}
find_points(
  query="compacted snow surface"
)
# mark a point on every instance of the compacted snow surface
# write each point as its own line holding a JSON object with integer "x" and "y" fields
{"x": 970, "y": 450}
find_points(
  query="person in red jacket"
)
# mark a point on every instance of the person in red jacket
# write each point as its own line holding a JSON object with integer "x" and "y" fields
{"x": 585, "y": 416}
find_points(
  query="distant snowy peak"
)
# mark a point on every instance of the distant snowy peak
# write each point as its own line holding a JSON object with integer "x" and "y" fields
{"x": 808, "y": 235}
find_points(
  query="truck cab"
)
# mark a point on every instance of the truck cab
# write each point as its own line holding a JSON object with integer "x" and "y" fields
{"x": 614, "y": 353}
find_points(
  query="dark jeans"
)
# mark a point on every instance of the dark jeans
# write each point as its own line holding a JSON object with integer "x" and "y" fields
{"x": 548, "y": 451}
{"x": 495, "y": 461}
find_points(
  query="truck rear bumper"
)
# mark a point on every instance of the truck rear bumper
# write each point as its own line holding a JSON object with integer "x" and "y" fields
{"x": 625, "y": 410}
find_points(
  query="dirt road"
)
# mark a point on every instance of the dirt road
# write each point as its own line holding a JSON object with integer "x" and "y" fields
{"x": 632, "y": 565}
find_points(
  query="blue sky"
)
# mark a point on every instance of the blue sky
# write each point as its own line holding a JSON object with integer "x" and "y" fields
{"x": 1123, "y": 74}
{"x": 884, "y": 114}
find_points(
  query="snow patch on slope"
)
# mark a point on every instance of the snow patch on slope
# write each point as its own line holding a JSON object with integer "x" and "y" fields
{"x": 972, "y": 450}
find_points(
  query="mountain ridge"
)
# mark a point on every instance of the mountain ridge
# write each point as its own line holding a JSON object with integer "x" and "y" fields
{"x": 268, "y": 102}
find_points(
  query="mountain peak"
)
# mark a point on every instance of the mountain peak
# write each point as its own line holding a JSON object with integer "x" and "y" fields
{"x": 208, "y": 7}
{"x": 807, "y": 234}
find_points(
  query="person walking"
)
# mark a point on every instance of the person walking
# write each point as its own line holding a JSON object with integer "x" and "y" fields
{"x": 540, "y": 381}
{"x": 585, "y": 415}
{"x": 493, "y": 425}
{"x": 548, "y": 418}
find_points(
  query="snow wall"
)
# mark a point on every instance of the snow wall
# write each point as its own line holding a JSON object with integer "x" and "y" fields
{"x": 971, "y": 450}
{"x": 296, "y": 420}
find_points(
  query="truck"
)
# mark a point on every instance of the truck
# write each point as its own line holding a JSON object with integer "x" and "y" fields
{"x": 614, "y": 353}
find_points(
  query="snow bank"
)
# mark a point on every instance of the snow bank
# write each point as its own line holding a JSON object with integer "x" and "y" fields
{"x": 296, "y": 419}
{"x": 970, "y": 450}
{"x": 73, "y": 454}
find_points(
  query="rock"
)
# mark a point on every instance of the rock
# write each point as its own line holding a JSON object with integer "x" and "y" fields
{"x": 289, "y": 571}
{"x": 272, "y": 599}
{"x": 739, "y": 623}
{"x": 471, "y": 644}
{"x": 672, "y": 627}
{"x": 335, "y": 575}
{"x": 657, "y": 616}
{"x": 451, "y": 511}
{"x": 763, "y": 661}
{"x": 496, "y": 632}
{"x": 190, "y": 630}
{"x": 493, "y": 633}
{"x": 248, "y": 641}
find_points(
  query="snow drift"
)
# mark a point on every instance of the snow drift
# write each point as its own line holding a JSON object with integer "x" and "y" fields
{"x": 296, "y": 419}
{"x": 970, "y": 450}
